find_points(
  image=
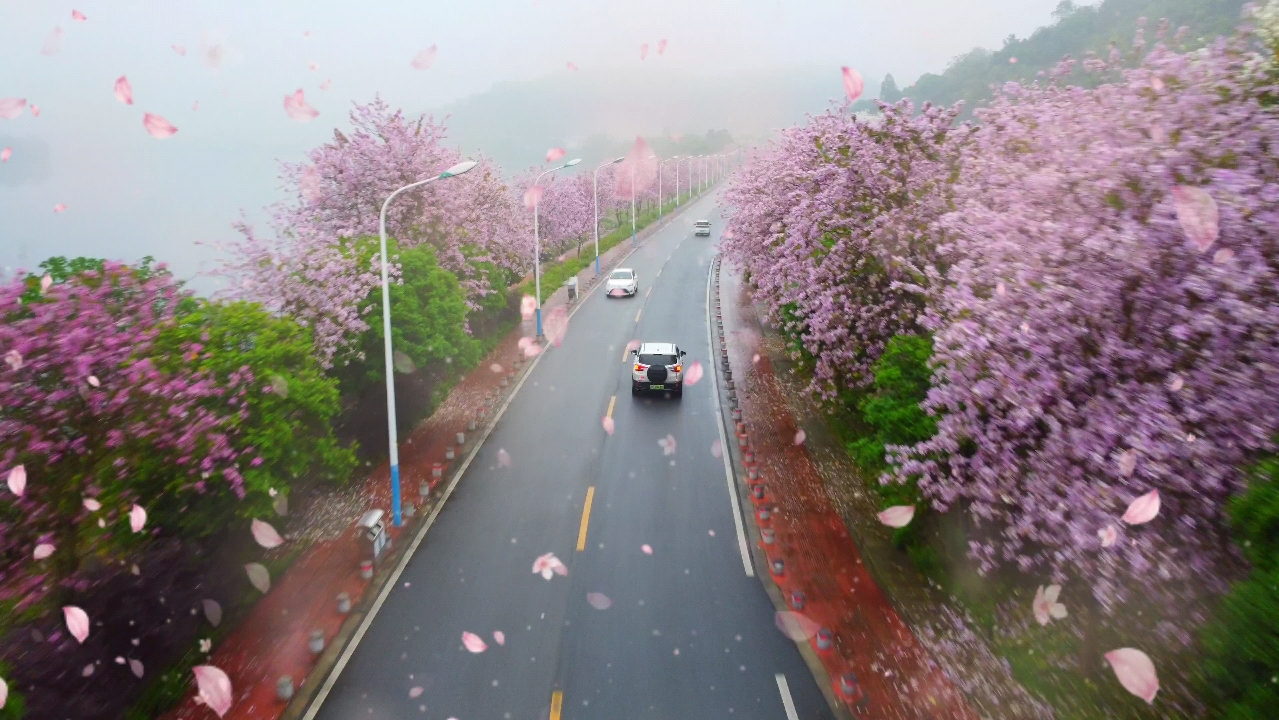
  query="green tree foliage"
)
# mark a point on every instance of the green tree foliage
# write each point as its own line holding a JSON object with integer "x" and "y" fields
{"x": 1241, "y": 644}
{"x": 291, "y": 407}
{"x": 428, "y": 329}
{"x": 888, "y": 90}
{"x": 891, "y": 409}
{"x": 1077, "y": 30}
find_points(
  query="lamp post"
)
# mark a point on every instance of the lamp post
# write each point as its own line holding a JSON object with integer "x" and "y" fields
{"x": 457, "y": 169}
{"x": 690, "y": 177}
{"x": 659, "y": 183}
{"x": 595, "y": 185}
{"x": 633, "y": 232}
{"x": 537, "y": 243}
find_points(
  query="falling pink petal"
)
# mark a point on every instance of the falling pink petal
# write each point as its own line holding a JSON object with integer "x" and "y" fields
{"x": 554, "y": 154}
{"x": 572, "y": 66}
{"x": 503, "y": 458}
{"x": 599, "y": 601}
{"x": 306, "y": 33}
{"x": 556, "y": 325}
{"x": 646, "y": 549}
{"x": 415, "y": 692}
{"x": 78, "y": 16}
{"x": 314, "y": 66}
{"x": 53, "y": 43}
{"x": 135, "y": 666}
{"x": 1000, "y": 289}
{"x": 661, "y": 46}
{"x": 265, "y": 535}
{"x": 47, "y": 280}
{"x": 137, "y": 518}
{"x": 95, "y": 382}
{"x": 499, "y": 637}
{"x": 796, "y": 626}
{"x": 532, "y": 196}
{"x": 1175, "y": 383}
{"x": 632, "y": 345}
{"x": 5, "y": 154}
{"x": 296, "y": 107}
{"x": 717, "y": 449}
{"x": 667, "y": 444}
{"x": 92, "y": 505}
{"x": 214, "y": 688}
{"x": 548, "y": 565}
{"x": 259, "y": 576}
{"x": 1012, "y": 61}
{"x": 14, "y": 358}
{"x": 529, "y": 346}
{"x": 123, "y": 90}
{"x": 35, "y": 110}
{"x": 309, "y": 184}
{"x": 11, "y": 108}
{"x": 1197, "y": 213}
{"x": 528, "y": 306}
{"x": 755, "y": 359}
{"x": 853, "y": 83}
{"x": 179, "y": 49}
{"x": 1108, "y": 535}
{"x": 77, "y": 622}
{"x": 473, "y": 642}
{"x": 799, "y": 437}
{"x": 425, "y": 59}
{"x": 87, "y": 671}
{"x": 212, "y": 612}
{"x": 1127, "y": 462}
{"x": 1143, "y": 509}
{"x": 158, "y": 126}
{"x": 897, "y": 516}
{"x": 608, "y": 425}
{"x": 43, "y": 550}
{"x": 693, "y": 374}
{"x": 643, "y": 50}
{"x": 326, "y": 84}
{"x": 4, "y": 692}
{"x": 1135, "y": 672}
{"x": 1223, "y": 256}
{"x": 59, "y": 208}
{"x": 1045, "y": 604}
{"x": 195, "y": 105}
{"x": 18, "y": 480}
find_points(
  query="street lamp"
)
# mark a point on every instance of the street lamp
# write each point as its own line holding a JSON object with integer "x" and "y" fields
{"x": 659, "y": 183}
{"x": 690, "y": 176}
{"x": 457, "y": 169}
{"x": 537, "y": 243}
{"x": 595, "y": 185}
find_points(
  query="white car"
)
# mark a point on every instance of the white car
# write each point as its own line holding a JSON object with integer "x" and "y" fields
{"x": 702, "y": 227}
{"x": 622, "y": 282}
{"x": 658, "y": 366}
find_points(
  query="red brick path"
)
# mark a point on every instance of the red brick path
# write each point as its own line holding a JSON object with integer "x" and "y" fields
{"x": 896, "y": 674}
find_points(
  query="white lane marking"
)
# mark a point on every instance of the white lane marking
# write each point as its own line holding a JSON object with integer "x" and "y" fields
{"x": 723, "y": 440}
{"x": 787, "y": 702}
{"x": 367, "y": 622}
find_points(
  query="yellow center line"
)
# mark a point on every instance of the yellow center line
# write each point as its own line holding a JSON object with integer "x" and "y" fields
{"x": 557, "y": 704}
{"x": 649, "y": 292}
{"x": 586, "y": 518}
{"x": 611, "y": 401}
{"x": 637, "y": 315}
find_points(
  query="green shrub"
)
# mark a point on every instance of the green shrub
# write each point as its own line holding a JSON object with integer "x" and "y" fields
{"x": 1241, "y": 643}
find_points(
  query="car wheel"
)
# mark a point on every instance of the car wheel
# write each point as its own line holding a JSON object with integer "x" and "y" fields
{"x": 634, "y": 389}
{"x": 679, "y": 390}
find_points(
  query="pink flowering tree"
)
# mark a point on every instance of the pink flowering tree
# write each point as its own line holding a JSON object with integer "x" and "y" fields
{"x": 565, "y": 211}
{"x": 1110, "y": 327}
{"x": 97, "y": 426}
{"x": 834, "y": 224}
{"x": 314, "y": 267}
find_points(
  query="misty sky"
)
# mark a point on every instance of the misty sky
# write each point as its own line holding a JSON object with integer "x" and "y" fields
{"x": 129, "y": 194}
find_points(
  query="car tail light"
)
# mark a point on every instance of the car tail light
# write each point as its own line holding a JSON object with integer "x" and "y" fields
{"x": 679, "y": 368}
{"x": 640, "y": 368}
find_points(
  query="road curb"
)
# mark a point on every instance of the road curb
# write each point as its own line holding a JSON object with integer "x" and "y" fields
{"x": 758, "y": 558}
{"x": 312, "y": 691}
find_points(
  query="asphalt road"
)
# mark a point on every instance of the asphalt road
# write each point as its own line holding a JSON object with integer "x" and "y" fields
{"x": 687, "y": 635}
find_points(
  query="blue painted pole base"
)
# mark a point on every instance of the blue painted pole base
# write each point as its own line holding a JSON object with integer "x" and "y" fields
{"x": 539, "y": 322}
{"x": 395, "y": 495}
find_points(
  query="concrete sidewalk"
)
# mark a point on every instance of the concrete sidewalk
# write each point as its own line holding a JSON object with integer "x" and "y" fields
{"x": 272, "y": 641}
{"x": 822, "y": 574}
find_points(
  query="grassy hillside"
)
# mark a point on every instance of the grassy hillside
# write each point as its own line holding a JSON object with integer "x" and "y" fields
{"x": 1076, "y": 30}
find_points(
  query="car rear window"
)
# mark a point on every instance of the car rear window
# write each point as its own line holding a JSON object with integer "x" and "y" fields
{"x": 657, "y": 359}
{"x": 703, "y": 223}
{"x": 621, "y": 275}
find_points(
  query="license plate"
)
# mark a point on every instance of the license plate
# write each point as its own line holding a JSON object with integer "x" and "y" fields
{"x": 656, "y": 387}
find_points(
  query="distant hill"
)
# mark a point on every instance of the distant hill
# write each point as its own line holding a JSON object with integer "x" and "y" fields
{"x": 597, "y": 116}
{"x": 1075, "y": 31}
